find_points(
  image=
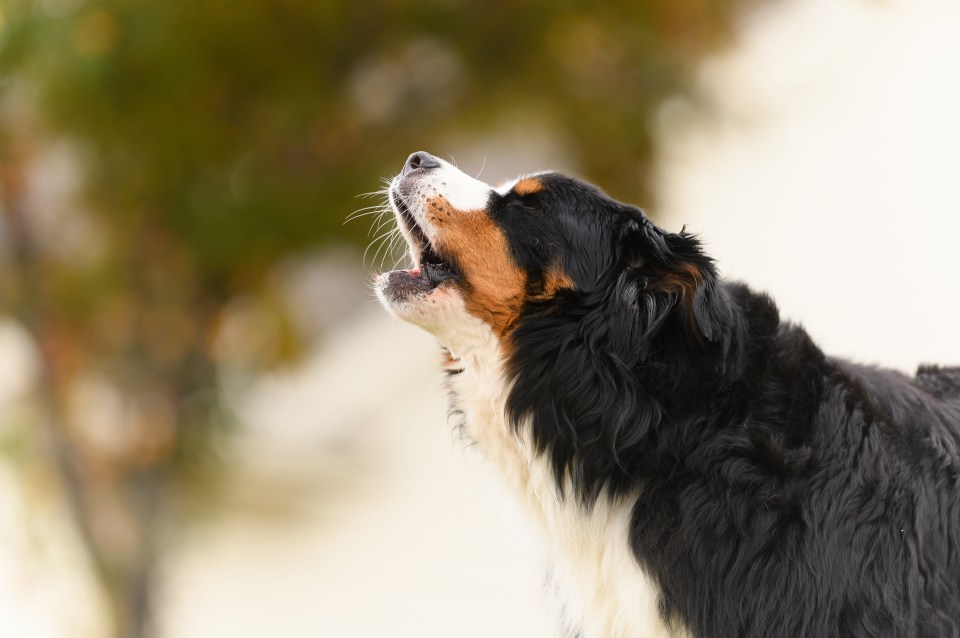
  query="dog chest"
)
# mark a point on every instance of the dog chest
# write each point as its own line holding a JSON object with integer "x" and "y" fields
{"x": 600, "y": 588}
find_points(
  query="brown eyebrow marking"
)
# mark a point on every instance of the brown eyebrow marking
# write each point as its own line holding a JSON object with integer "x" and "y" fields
{"x": 528, "y": 186}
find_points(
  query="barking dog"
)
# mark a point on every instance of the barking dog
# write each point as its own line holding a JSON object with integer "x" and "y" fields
{"x": 694, "y": 465}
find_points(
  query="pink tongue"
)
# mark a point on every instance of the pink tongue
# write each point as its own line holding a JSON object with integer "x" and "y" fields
{"x": 414, "y": 272}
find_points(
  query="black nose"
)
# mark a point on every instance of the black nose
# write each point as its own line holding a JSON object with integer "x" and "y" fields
{"x": 420, "y": 159}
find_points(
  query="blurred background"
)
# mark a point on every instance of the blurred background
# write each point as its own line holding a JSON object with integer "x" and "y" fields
{"x": 208, "y": 427}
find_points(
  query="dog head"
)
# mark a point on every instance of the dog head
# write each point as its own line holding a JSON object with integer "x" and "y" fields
{"x": 488, "y": 262}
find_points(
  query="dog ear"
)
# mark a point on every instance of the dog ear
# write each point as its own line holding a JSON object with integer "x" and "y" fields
{"x": 675, "y": 264}
{"x": 692, "y": 275}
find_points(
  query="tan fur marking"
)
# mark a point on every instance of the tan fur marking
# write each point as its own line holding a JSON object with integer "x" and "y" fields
{"x": 495, "y": 287}
{"x": 685, "y": 281}
{"x": 528, "y": 186}
{"x": 555, "y": 280}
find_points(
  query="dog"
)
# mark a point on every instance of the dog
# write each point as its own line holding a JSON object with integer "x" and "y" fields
{"x": 694, "y": 465}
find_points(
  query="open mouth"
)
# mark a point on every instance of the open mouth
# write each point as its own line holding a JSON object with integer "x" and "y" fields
{"x": 432, "y": 269}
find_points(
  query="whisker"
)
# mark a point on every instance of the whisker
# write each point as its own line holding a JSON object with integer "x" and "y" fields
{"x": 366, "y": 208}
{"x": 370, "y": 206}
{"x": 384, "y": 243}
{"x": 377, "y": 225}
{"x": 396, "y": 248}
{"x": 399, "y": 260}
{"x": 386, "y": 253}
{"x": 482, "y": 166}
{"x": 378, "y": 239}
{"x": 380, "y": 223}
{"x": 361, "y": 212}
{"x": 376, "y": 255}
{"x": 358, "y": 215}
{"x": 379, "y": 191}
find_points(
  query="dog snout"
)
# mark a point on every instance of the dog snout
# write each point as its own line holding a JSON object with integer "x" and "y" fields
{"x": 421, "y": 160}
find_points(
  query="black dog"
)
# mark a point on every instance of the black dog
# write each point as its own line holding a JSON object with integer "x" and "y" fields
{"x": 697, "y": 466}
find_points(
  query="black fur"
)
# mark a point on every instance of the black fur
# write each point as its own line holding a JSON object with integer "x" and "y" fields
{"x": 781, "y": 492}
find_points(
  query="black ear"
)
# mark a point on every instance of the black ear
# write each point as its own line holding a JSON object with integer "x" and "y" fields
{"x": 694, "y": 277}
{"x": 674, "y": 263}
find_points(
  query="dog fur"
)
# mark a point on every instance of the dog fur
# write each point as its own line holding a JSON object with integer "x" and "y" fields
{"x": 693, "y": 464}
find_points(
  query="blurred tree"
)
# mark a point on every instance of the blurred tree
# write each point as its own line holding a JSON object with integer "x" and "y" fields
{"x": 217, "y": 138}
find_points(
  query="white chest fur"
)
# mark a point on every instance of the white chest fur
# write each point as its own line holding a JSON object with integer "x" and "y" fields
{"x": 601, "y": 589}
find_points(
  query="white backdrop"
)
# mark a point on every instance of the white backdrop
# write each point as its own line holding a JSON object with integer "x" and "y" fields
{"x": 830, "y": 175}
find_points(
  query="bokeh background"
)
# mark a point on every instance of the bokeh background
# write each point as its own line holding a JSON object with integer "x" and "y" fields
{"x": 207, "y": 425}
